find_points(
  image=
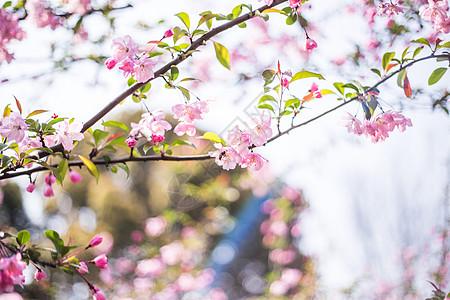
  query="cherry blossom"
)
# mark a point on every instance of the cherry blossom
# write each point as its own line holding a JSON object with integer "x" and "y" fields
{"x": 39, "y": 275}
{"x": 390, "y": 9}
{"x": 80, "y": 7}
{"x": 96, "y": 240}
{"x": 9, "y": 30}
{"x": 268, "y": 2}
{"x": 123, "y": 48}
{"x": 185, "y": 128}
{"x": 11, "y": 269}
{"x": 253, "y": 161}
{"x": 41, "y": 16}
{"x": 353, "y": 124}
{"x": 226, "y": 157}
{"x": 31, "y": 187}
{"x": 74, "y": 176}
{"x": 310, "y": 44}
{"x": 68, "y": 133}
{"x": 142, "y": 69}
{"x": 100, "y": 261}
{"x": 260, "y": 129}
{"x": 436, "y": 12}
{"x": 155, "y": 226}
{"x": 13, "y": 127}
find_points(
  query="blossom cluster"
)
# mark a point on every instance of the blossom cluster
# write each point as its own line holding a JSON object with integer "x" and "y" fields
{"x": 11, "y": 272}
{"x": 13, "y": 128}
{"x": 378, "y": 128}
{"x": 9, "y": 30}
{"x": 240, "y": 143}
{"x": 151, "y": 126}
{"x": 436, "y": 12}
{"x": 130, "y": 59}
{"x": 390, "y": 9}
{"x": 186, "y": 114}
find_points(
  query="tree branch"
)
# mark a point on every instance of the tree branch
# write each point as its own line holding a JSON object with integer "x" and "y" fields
{"x": 196, "y": 44}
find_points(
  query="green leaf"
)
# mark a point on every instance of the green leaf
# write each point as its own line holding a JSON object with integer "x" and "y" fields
{"x": 422, "y": 41}
{"x": 174, "y": 72}
{"x": 401, "y": 77}
{"x": 182, "y": 143}
{"x": 267, "y": 98}
{"x": 212, "y": 137}
{"x": 266, "y": 106}
{"x": 387, "y": 57}
{"x": 113, "y": 169}
{"x": 7, "y": 4}
{"x": 3, "y": 146}
{"x": 23, "y": 237}
{"x": 436, "y": 75}
{"x": 125, "y": 168}
{"x": 305, "y": 74}
{"x": 222, "y": 55}
{"x": 63, "y": 166}
{"x": 146, "y": 88}
{"x": 326, "y": 92}
{"x": 56, "y": 240}
{"x": 115, "y": 124}
{"x": 92, "y": 168}
{"x": 376, "y": 71}
{"x": 340, "y": 87}
{"x": 291, "y": 19}
{"x": 185, "y": 92}
{"x": 36, "y": 112}
{"x": 237, "y": 11}
{"x": 99, "y": 135}
{"x": 268, "y": 76}
{"x": 131, "y": 81}
{"x": 294, "y": 102}
{"x": 417, "y": 51}
{"x": 184, "y": 17}
{"x": 445, "y": 45}
{"x": 54, "y": 121}
{"x": 352, "y": 86}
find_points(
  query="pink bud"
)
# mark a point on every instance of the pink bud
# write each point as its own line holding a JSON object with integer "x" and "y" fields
{"x": 48, "y": 191}
{"x": 31, "y": 187}
{"x": 310, "y": 44}
{"x": 40, "y": 275}
{"x": 168, "y": 33}
{"x": 74, "y": 176}
{"x": 100, "y": 261}
{"x": 50, "y": 179}
{"x": 96, "y": 240}
{"x": 285, "y": 82}
{"x": 83, "y": 268}
{"x": 157, "y": 138}
{"x": 110, "y": 63}
{"x": 131, "y": 142}
{"x": 97, "y": 294}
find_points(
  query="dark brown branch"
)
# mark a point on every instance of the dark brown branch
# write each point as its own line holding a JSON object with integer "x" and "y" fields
{"x": 113, "y": 161}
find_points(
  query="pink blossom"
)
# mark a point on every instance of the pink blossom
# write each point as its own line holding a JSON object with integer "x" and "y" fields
{"x": 390, "y": 9}
{"x": 282, "y": 257}
{"x": 28, "y": 144}
{"x": 38, "y": 13}
{"x": 285, "y": 82}
{"x": 48, "y": 191}
{"x": 315, "y": 90}
{"x": 9, "y": 30}
{"x": 10, "y": 296}
{"x": 279, "y": 228}
{"x": 310, "y": 44}
{"x": 131, "y": 142}
{"x": 80, "y": 7}
{"x": 97, "y": 294}
{"x": 100, "y": 261}
{"x": 260, "y": 130}
{"x": 291, "y": 276}
{"x": 226, "y": 157}
{"x": 186, "y": 282}
{"x": 168, "y": 33}
{"x": 74, "y": 176}
{"x": 96, "y": 240}
{"x": 185, "y": 128}
{"x": 436, "y": 12}
{"x": 142, "y": 70}
{"x": 278, "y": 288}
{"x": 31, "y": 187}
{"x": 157, "y": 138}
{"x": 127, "y": 66}
{"x": 296, "y": 4}
{"x": 217, "y": 294}
{"x": 187, "y": 113}
{"x": 150, "y": 267}
{"x": 353, "y": 124}
{"x": 13, "y": 127}
{"x": 172, "y": 253}
{"x": 155, "y": 226}
{"x": 83, "y": 268}
{"x": 39, "y": 275}
{"x": 11, "y": 272}
{"x": 253, "y": 161}
{"x": 239, "y": 140}
{"x": 159, "y": 127}
{"x": 123, "y": 48}
{"x": 68, "y": 133}
{"x": 110, "y": 63}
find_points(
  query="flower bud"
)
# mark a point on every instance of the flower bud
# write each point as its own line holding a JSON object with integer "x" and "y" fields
{"x": 310, "y": 44}
{"x": 40, "y": 275}
{"x": 48, "y": 191}
{"x": 96, "y": 240}
{"x": 83, "y": 268}
{"x": 168, "y": 33}
{"x": 131, "y": 142}
{"x": 100, "y": 261}
{"x": 74, "y": 176}
{"x": 31, "y": 187}
{"x": 110, "y": 63}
